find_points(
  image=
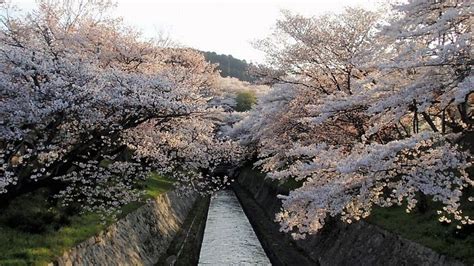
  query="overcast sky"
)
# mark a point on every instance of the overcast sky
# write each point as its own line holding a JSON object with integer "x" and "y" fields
{"x": 223, "y": 26}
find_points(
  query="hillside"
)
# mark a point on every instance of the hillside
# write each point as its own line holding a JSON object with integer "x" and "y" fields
{"x": 230, "y": 66}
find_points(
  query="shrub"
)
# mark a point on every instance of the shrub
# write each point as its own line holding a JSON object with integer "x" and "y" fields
{"x": 33, "y": 212}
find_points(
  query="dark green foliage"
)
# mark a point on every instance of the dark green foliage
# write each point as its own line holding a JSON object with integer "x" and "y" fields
{"x": 33, "y": 212}
{"x": 282, "y": 186}
{"x": 424, "y": 228}
{"x": 230, "y": 66}
{"x": 245, "y": 100}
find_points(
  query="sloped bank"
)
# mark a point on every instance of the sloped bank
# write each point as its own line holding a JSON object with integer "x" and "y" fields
{"x": 186, "y": 246}
{"x": 337, "y": 244}
{"x": 140, "y": 238}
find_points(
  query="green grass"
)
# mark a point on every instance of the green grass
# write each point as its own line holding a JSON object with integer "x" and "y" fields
{"x": 18, "y": 247}
{"x": 21, "y": 248}
{"x": 425, "y": 229}
{"x": 156, "y": 185}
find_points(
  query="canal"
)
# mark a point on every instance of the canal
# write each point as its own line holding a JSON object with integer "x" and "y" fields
{"x": 228, "y": 237}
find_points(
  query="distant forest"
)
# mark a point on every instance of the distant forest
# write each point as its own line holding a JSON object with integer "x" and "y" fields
{"x": 230, "y": 66}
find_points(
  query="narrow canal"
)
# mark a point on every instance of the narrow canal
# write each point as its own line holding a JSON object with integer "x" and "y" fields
{"x": 228, "y": 237}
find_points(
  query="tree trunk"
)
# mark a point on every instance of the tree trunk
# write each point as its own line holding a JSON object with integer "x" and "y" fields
{"x": 415, "y": 117}
{"x": 429, "y": 121}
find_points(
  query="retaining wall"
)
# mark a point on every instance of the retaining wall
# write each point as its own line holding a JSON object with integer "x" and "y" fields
{"x": 140, "y": 238}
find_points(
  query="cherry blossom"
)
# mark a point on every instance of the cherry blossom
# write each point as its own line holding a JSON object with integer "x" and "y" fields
{"x": 86, "y": 102}
{"x": 368, "y": 113}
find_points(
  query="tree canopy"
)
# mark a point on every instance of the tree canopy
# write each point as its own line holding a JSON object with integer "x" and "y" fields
{"x": 366, "y": 110}
{"x": 87, "y": 104}
{"x": 230, "y": 66}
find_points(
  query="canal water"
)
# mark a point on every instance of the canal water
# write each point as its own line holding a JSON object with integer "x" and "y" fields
{"x": 228, "y": 237}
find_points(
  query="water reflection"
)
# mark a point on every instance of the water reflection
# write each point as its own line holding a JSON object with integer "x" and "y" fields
{"x": 229, "y": 238}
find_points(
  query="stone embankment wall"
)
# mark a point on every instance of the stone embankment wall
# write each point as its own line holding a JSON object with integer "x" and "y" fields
{"x": 140, "y": 238}
{"x": 339, "y": 243}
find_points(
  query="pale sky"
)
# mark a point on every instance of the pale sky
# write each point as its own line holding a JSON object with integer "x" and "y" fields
{"x": 222, "y": 26}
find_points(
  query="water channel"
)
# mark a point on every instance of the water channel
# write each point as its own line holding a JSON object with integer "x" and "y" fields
{"x": 228, "y": 237}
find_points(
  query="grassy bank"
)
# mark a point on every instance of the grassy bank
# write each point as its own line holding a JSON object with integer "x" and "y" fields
{"x": 425, "y": 229}
{"x": 22, "y": 247}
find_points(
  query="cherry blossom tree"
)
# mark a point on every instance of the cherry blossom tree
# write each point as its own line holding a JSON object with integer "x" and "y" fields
{"x": 86, "y": 103}
{"x": 351, "y": 183}
{"x": 423, "y": 69}
{"x": 343, "y": 133}
{"x": 321, "y": 53}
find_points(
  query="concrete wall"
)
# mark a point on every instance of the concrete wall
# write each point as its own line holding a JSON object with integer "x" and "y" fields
{"x": 339, "y": 243}
{"x": 140, "y": 238}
